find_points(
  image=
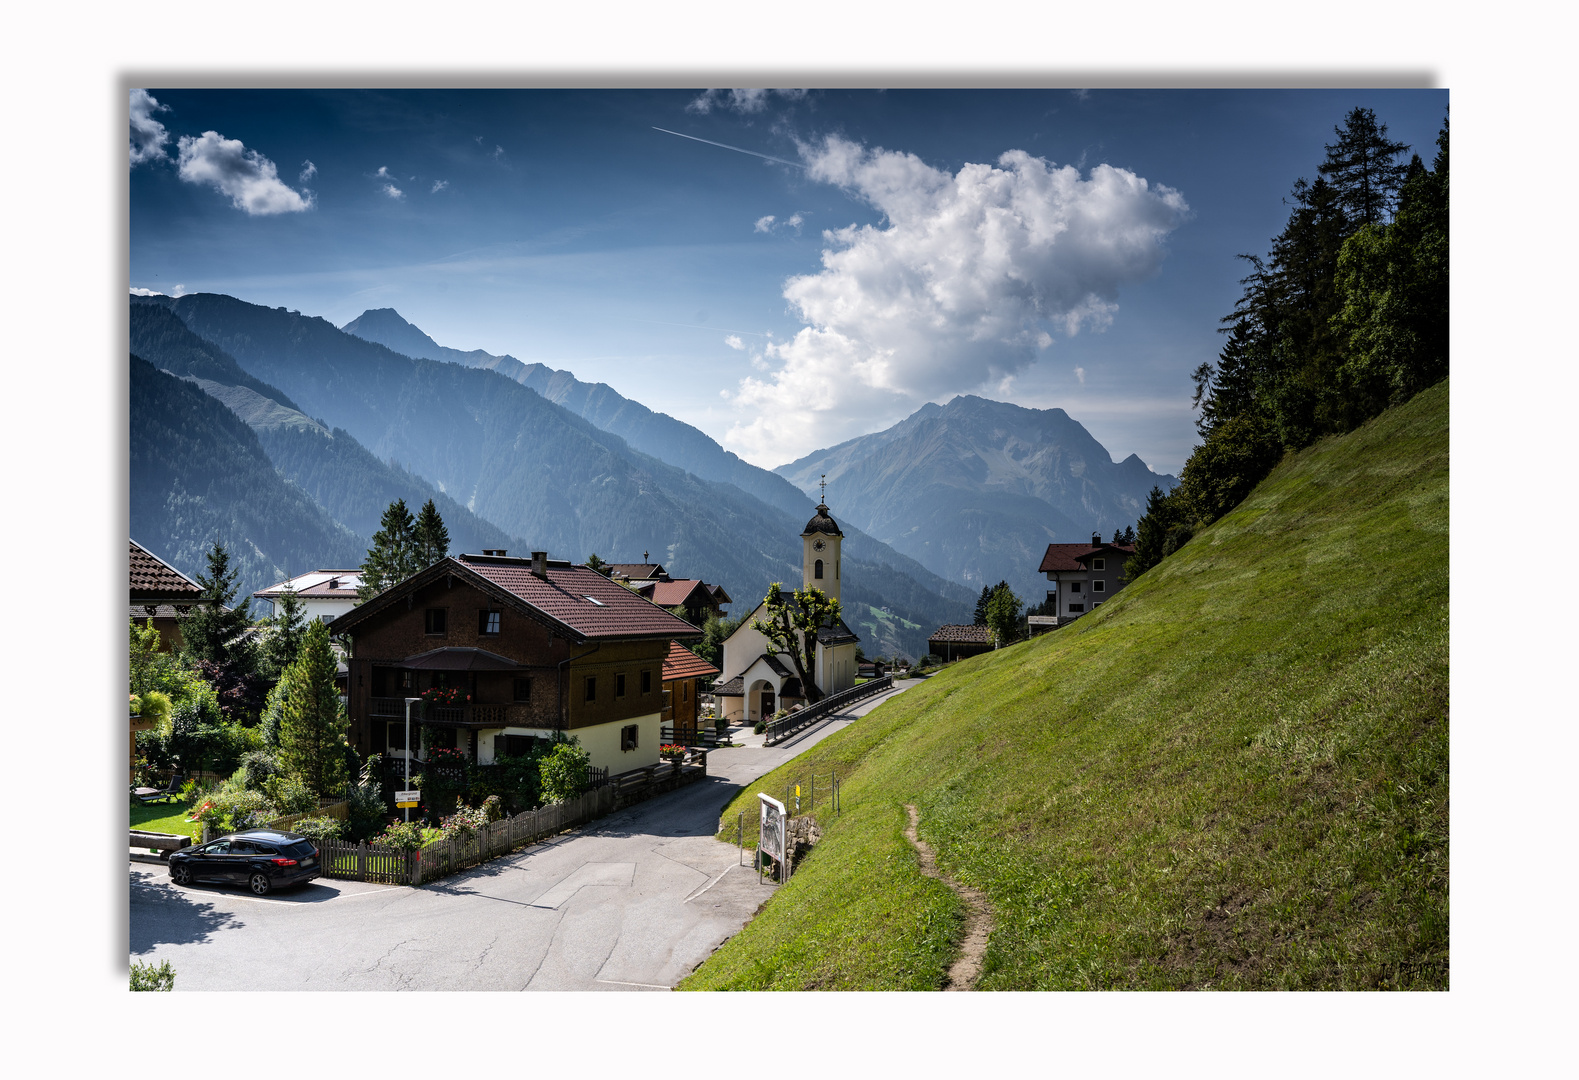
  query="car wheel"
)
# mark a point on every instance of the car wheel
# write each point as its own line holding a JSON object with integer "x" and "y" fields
{"x": 181, "y": 874}
{"x": 260, "y": 884}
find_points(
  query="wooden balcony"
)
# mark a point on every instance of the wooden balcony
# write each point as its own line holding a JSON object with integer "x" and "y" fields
{"x": 461, "y": 716}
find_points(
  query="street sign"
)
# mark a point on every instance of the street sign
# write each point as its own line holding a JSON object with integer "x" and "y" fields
{"x": 407, "y": 798}
{"x": 772, "y": 824}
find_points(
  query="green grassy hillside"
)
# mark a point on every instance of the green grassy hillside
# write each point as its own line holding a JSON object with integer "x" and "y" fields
{"x": 1232, "y": 775}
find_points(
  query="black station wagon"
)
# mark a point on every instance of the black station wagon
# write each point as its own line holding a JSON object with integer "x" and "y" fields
{"x": 261, "y": 859}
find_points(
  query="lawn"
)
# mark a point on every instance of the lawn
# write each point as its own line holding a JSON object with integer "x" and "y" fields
{"x": 1234, "y": 775}
{"x": 166, "y": 818}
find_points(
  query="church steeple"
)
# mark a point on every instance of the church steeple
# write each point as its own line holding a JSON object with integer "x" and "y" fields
{"x": 820, "y": 552}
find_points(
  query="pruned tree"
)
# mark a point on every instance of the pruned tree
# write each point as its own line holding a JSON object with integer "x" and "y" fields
{"x": 312, "y": 720}
{"x": 791, "y": 629}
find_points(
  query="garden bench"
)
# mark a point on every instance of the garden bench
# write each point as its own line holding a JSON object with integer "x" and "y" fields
{"x": 164, "y": 842}
{"x": 146, "y": 795}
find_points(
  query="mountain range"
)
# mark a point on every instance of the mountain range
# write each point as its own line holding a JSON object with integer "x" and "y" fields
{"x": 502, "y": 457}
{"x": 975, "y": 490}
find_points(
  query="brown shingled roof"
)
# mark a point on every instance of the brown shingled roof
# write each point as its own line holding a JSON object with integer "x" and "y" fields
{"x": 682, "y": 663}
{"x": 1073, "y": 556}
{"x": 668, "y": 594}
{"x": 968, "y": 635}
{"x": 154, "y": 579}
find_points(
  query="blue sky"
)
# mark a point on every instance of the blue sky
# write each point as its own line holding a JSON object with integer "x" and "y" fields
{"x": 964, "y": 255}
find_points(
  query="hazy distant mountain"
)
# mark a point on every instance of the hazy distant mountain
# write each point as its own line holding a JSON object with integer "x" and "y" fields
{"x": 655, "y": 433}
{"x": 541, "y": 472}
{"x": 975, "y": 490}
{"x": 198, "y": 474}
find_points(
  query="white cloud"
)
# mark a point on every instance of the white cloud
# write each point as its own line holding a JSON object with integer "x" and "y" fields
{"x": 138, "y": 291}
{"x": 382, "y": 173}
{"x": 1080, "y": 374}
{"x": 741, "y": 101}
{"x": 248, "y": 177}
{"x": 764, "y": 224}
{"x": 148, "y": 135}
{"x": 734, "y": 342}
{"x": 795, "y": 221}
{"x": 392, "y": 191}
{"x": 309, "y": 170}
{"x": 954, "y": 291}
{"x": 767, "y": 223}
{"x": 438, "y": 186}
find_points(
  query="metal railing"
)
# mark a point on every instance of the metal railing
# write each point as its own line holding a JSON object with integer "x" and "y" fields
{"x": 782, "y": 729}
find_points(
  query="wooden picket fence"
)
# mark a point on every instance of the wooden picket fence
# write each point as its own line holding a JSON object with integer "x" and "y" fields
{"x": 372, "y": 862}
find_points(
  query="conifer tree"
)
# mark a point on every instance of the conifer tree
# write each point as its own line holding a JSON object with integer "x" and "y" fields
{"x": 1363, "y": 168}
{"x": 393, "y": 556}
{"x": 214, "y": 630}
{"x": 289, "y": 627}
{"x": 430, "y": 537}
{"x": 312, "y": 721}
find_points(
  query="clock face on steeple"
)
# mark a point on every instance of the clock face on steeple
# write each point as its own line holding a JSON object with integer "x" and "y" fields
{"x": 818, "y": 545}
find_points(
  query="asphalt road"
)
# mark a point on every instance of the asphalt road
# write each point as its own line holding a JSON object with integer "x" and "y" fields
{"x": 632, "y": 902}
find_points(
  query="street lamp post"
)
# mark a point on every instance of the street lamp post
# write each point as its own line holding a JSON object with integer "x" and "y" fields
{"x": 409, "y": 702}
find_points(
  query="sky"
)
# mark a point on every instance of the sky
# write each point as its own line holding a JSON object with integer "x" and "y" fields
{"x": 783, "y": 269}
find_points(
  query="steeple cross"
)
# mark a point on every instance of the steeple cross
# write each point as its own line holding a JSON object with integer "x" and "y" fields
{"x": 824, "y": 486}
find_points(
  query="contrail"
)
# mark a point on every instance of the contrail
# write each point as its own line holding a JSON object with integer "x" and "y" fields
{"x": 736, "y": 149}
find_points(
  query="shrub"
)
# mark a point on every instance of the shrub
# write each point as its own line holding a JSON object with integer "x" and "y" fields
{"x": 257, "y": 767}
{"x": 403, "y": 835}
{"x": 232, "y": 811}
{"x": 465, "y": 822}
{"x": 563, "y": 773}
{"x": 364, "y": 811}
{"x": 318, "y": 829}
{"x": 290, "y": 794}
{"x": 151, "y": 977}
{"x": 760, "y": 727}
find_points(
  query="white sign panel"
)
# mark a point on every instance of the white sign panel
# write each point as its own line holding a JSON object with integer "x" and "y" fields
{"x": 773, "y": 816}
{"x": 407, "y": 798}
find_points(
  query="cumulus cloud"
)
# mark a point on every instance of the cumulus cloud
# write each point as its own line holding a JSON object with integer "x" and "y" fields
{"x": 438, "y": 186}
{"x": 382, "y": 173}
{"x": 767, "y": 223}
{"x": 953, "y": 291}
{"x": 392, "y": 191}
{"x": 148, "y": 135}
{"x": 139, "y": 291}
{"x": 734, "y": 342}
{"x": 248, "y": 177}
{"x": 764, "y": 224}
{"x": 741, "y": 101}
{"x": 309, "y": 170}
{"x": 1080, "y": 375}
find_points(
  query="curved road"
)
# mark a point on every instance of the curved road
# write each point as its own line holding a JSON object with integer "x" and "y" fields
{"x": 633, "y": 901}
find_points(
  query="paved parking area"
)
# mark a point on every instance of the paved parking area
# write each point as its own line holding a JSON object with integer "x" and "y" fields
{"x": 633, "y": 902}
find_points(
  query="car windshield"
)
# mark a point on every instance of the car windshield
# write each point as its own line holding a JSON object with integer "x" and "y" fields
{"x": 301, "y": 849}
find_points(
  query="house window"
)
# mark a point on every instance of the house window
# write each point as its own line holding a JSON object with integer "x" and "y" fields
{"x": 433, "y": 621}
{"x": 1099, "y": 564}
{"x": 512, "y": 745}
{"x": 397, "y": 736}
{"x": 816, "y": 570}
{"x": 407, "y": 682}
{"x": 1098, "y": 586}
{"x": 629, "y": 736}
{"x": 619, "y": 684}
{"x": 488, "y": 622}
{"x": 326, "y": 619}
{"x": 1075, "y": 588}
{"x": 592, "y": 688}
{"x": 1075, "y": 609}
{"x": 646, "y": 682}
{"x": 523, "y": 690}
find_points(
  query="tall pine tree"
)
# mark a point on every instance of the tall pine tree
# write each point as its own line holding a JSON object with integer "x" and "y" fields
{"x": 214, "y": 629}
{"x": 1363, "y": 167}
{"x": 430, "y": 537}
{"x": 288, "y": 627}
{"x": 312, "y": 721}
{"x": 393, "y": 556}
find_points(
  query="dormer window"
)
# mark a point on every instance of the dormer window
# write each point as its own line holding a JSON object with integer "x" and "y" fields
{"x": 488, "y": 622}
{"x": 1099, "y": 564}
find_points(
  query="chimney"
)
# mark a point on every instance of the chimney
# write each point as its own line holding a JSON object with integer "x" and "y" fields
{"x": 494, "y": 551}
{"x": 1096, "y": 539}
{"x": 540, "y": 564}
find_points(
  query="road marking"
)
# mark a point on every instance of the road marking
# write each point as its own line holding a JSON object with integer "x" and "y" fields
{"x": 709, "y": 885}
{"x": 644, "y": 986}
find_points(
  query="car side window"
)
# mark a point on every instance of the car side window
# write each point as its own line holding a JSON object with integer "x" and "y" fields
{"x": 262, "y": 850}
{"x": 241, "y": 847}
{"x": 221, "y": 847}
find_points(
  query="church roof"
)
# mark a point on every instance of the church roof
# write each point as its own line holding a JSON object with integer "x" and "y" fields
{"x": 822, "y": 523}
{"x": 836, "y": 635}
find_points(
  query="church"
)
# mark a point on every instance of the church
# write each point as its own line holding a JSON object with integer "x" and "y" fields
{"x": 754, "y": 683}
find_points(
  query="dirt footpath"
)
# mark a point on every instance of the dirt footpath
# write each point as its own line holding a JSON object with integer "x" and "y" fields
{"x": 966, "y": 969}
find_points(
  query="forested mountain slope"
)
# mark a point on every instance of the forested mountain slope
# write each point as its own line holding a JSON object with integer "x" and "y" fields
{"x": 1232, "y": 775}
{"x": 198, "y": 475}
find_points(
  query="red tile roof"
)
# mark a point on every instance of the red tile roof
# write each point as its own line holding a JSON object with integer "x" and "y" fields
{"x": 682, "y": 663}
{"x": 969, "y": 635}
{"x": 1071, "y": 556}
{"x": 582, "y": 599}
{"x": 154, "y": 579}
{"x": 668, "y": 594}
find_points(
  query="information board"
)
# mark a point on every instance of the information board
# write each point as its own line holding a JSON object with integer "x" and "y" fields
{"x": 407, "y": 798}
{"x": 772, "y": 842}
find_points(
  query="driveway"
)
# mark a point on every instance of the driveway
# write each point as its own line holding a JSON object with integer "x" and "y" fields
{"x": 632, "y": 902}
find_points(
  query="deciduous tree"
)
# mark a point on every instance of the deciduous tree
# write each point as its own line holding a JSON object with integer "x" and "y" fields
{"x": 791, "y": 626}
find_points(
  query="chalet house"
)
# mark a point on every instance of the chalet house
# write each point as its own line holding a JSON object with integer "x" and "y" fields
{"x": 528, "y": 648}
{"x": 325, "y": 594}
{"x": 636, "y": 573}
{"x": 683, "y": 671}
{"x": 954, "y": 642}
{"x": 1083, "y": 576}
{"x": 162, "y": 593}
{"x": 697, "y": 597}
{"x": 756, "y": 683}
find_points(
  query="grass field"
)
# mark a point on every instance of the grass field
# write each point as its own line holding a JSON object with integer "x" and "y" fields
{"x": 1232, "y": 775}
{"x": 166, "y": 818}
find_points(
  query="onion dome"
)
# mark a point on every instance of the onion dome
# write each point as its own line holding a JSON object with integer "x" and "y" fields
{"x": 822, "y": 523}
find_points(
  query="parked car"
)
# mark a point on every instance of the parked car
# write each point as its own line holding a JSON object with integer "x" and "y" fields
{"x": 262, "y": 859}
